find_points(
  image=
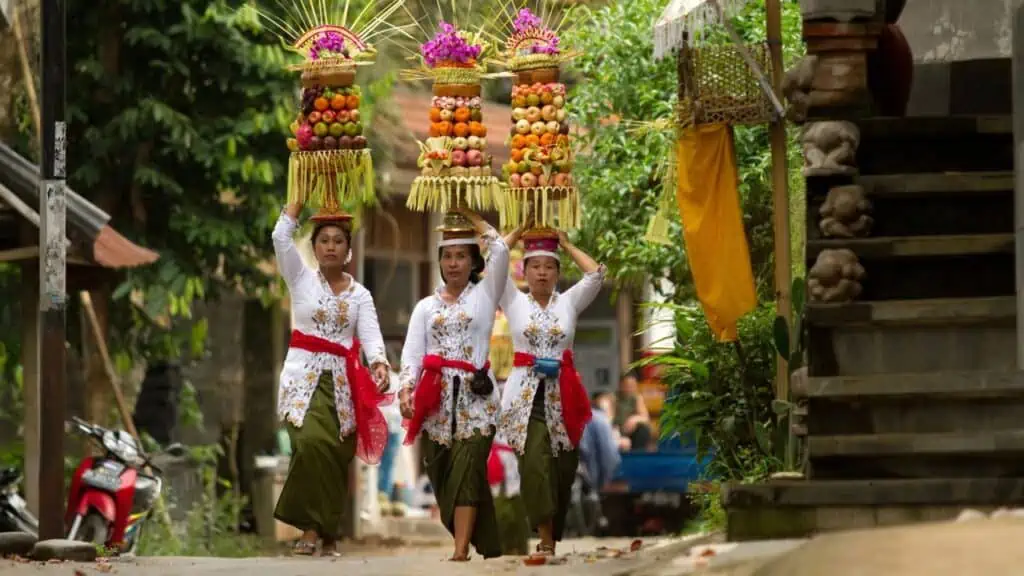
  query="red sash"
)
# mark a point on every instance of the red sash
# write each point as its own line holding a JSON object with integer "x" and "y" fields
{"x": 371, "y": 427}
{"x": 495, "y": 468}
{"x": 575, "y": 403}
{"x": 426, "y": 398}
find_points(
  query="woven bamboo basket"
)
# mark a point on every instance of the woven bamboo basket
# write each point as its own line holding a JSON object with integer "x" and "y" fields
{"x": 717, "y": 87}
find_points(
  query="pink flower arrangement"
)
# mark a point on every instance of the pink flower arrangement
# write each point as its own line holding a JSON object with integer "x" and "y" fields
{"x": 448, "y": 46}
{"x": 527, "y": 20}
{"x": 329, "y": 42}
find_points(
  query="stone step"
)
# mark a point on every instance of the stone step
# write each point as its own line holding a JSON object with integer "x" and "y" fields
{"x": 954, "y": 385}
{"x": 927, "y": 204}
{"x": 934, "y": 126}
{"x": 935, "y": 144}
{"x": 924, "y": 312}
{"x": 968, "y": 443}
{"x": 937, "y": 183}
{"x": 896, "y": 247}
{"x": 916, "y": 425}
{"x": 797, "y": 509}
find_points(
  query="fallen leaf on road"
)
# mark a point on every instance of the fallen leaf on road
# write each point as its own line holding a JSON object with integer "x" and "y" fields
{"x": 708, "y": 552}
{"x": 636, "y": 545}
{"x": 79, "y": 573}
{"x": 535, "y": 560}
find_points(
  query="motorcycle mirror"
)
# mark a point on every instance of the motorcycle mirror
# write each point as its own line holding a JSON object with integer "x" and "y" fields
{"x": 176, "y": 449}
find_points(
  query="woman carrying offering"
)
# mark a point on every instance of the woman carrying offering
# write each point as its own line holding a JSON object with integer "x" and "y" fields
{"x": 328, "y": 400}
{"x": 544, "y": 406}
{"x": 447, "y": 389}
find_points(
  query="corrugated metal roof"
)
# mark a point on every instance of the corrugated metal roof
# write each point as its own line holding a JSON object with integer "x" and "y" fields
{"x": 20, "y": 178}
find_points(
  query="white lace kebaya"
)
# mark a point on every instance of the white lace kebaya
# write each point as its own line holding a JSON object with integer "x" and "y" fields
{"x": 317, "y": 311}
{"x": 460, "y": 331}
{"x": 543, "y": 332}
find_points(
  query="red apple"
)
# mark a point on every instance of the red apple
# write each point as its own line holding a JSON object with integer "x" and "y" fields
{"x": 474, "y": 158}
{"x": 458, "y": 158}
{"x": 314, "y": 117}
{"x": 327, "y": 116}
{"x": 343, "y": 116}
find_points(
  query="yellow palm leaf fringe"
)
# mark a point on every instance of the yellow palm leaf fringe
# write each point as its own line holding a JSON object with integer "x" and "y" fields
{"x": 331, "y": 177}
{"x": 553, "y": 207}
{"x": 444, "y": 193}
{"x": 658, "y": 226}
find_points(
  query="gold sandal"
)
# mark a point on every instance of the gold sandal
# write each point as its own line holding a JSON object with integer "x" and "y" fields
{"x": 546, "y": 549}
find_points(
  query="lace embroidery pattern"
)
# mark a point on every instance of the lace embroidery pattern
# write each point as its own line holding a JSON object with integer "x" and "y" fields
{"x": 332, "y": 318}
{"x": 449, "y": 336}
{"x": 546, "y": 339}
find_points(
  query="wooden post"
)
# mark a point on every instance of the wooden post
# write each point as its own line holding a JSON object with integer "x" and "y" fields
{"x": 1017, "y": 53}
{"x": 53, "y": 271}
{"x": 780, "y": 193}
{"x": 30, "y": 378}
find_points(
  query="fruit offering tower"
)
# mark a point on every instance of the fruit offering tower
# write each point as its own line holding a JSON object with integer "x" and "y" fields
{"x": 455, "y": 168}
{"x": 539, "y": 172}
{"x": 330, "y": 164}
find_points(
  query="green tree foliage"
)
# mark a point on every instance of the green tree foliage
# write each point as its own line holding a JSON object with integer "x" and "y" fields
{"x": 620, "y": 170}
{"x": 177, "y": 113}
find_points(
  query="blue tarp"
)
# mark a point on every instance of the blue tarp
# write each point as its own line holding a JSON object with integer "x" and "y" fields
{"x": 672, "y": 468}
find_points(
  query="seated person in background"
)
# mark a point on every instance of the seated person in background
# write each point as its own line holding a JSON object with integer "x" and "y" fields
{"x": 599, "y": 445}
{"x": 630, "y": 414}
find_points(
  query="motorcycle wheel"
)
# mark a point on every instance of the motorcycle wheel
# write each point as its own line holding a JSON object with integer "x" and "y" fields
{"x": 93, "y": 529}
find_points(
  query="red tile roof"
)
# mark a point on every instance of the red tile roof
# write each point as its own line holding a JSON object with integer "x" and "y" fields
{"x": 112, "y": 250}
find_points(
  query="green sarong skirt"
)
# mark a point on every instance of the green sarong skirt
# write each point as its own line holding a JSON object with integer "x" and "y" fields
{"x": 512, "y": 523}
{"x": 458, "y": 476}
{"x": 546, "y": 479}
{"x": 315, "y": 494}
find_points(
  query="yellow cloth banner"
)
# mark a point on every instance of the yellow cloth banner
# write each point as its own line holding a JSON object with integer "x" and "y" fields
{"x": 716, "y": 244}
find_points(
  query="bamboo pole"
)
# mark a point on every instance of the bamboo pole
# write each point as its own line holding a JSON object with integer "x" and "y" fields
{"x": 780, "y": 194}
{"x": 115, "y": 386}
{"x": 26, "y": 71}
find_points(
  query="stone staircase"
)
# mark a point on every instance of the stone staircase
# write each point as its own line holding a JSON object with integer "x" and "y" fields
{"x": 915, "y": 409}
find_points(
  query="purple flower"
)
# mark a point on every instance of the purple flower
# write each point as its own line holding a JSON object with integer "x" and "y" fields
{"x": 329, "y": 43}
{"x": 447, "y": 45}
{"x": 526, "y": 20}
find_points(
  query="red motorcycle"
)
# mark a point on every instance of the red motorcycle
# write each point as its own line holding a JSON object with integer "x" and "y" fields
{"x": 111, "y": 497}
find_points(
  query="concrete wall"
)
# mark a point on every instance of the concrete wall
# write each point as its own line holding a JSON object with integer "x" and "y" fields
{"x": 950, "y": 30}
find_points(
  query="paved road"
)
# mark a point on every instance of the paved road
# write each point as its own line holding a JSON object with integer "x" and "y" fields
{"x": 584, "y": 557}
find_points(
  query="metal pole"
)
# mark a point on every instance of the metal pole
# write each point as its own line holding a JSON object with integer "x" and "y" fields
{"x": 53, "y": 272}
{"x": 780, "y": 193}
{"x": 1017, "y": 53}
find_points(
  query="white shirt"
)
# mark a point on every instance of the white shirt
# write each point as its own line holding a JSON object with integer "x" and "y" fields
{"x": 544, "y": 332}
{"x": 317, "y": 311}
{"x": 458, "y": 331}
